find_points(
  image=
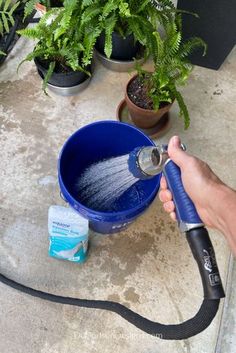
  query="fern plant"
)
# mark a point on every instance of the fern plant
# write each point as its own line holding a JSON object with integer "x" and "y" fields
{"x": 7, "y": 8}
{"x": 171, "y": 67}
{"x": 30, "y": 5}
{"x": 65, "y": 42}
{"x": 139, "y": 17}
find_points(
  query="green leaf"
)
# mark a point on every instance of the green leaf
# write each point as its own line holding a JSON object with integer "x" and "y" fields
{"x": 11, "y": 19}
{"x": 33, "y": 33}
{"x": 166, "y": 4}
{"x": 159, "y": 44}
{"x": 48, "y": 75}
{"x": 86, "y": 3}
{"x": 137, "y": 30}
{"x": 6, "y": 5}
{"x": 5, "y": 23}
{"x": 29, "y": 7}
{"x": 124, "y": 9}
{"x": 142, "y": 6}
{"x": 156, "y": 101}
{"x": 89, "y": 42}
{"x": 187, "y": 12}
{"x": 109, "y": 7}
{"x": 110, "y": 25}
{"x": 90, "y": 13}
{"x": 58, "y": 32}
{"x": 14, "y": 7}
{"x": 192, "y": 44}
{"x": 182, "y": 107}
{"x": 1, "y": 27}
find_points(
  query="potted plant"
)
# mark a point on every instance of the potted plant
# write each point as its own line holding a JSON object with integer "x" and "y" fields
{"x": 8, "y": 25}
{"x": 126, "y": 25}
{"x": 64, "y": 49}
{"x": 149, "y": 95}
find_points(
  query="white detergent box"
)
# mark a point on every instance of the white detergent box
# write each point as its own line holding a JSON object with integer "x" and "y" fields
{"x": 68, "y": 234}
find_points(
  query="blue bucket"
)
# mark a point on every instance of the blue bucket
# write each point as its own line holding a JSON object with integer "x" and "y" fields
{"x": 95, "y": 142}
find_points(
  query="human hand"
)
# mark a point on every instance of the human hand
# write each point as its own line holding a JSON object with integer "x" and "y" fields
{"x": 199, "y": 181}
{"x": 215, "y": 202}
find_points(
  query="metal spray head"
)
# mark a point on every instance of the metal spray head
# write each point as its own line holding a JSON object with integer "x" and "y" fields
{"x": 146, "y": 162}
{"x": 151, "y": 159}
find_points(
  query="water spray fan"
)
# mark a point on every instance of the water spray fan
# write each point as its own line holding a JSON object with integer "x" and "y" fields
{"x": 144, "y": 163}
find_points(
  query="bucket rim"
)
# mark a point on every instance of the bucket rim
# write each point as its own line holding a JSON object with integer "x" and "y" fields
{"x": 131, "y": 212}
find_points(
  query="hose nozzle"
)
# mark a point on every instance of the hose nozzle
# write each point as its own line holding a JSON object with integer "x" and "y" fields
{"x": 146, "y": 162}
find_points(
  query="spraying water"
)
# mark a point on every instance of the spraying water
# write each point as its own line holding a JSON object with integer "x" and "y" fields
{"x": 103, "y": 183}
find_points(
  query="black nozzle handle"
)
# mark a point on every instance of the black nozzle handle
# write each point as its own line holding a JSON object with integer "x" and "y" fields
{"x": 204, "y": 254}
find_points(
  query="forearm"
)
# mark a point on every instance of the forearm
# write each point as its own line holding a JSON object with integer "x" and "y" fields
{"x": 225, "y": 213}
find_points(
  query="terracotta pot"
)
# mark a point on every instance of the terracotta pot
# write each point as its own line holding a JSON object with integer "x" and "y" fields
{"x": 144, "y": 118}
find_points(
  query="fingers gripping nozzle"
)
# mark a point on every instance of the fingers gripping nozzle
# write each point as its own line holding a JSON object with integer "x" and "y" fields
{"x": 146, "y": 162}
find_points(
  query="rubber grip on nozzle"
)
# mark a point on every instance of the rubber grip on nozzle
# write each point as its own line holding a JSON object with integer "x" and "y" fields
{"x": 185, "y": 209}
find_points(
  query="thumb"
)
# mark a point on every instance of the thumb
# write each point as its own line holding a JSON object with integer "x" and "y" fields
{"x": 176, "y": 153}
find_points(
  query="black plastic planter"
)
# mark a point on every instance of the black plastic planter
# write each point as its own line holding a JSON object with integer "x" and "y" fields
{"x": 122, "y": 48}
{"x": 216, "y": 25}
{"x": 65, "y": 83}
{"x": 8, "y": 40}
{"x": 56, "y": 3}
{"x": 62, "y": 79}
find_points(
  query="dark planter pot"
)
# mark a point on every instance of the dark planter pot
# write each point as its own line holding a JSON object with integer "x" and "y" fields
{"x": 144, "y": 118}
{"x": 20, "y": 10}
{"x": 215, "y": 24}
{"x": 56, "y": 3}
{"x": 8, "y": 41}
{"x": 122, "y": 48}
{"x": 64, "y": 79}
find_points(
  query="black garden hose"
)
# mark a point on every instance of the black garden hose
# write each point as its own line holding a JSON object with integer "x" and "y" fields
{"x": 184, "y": 330}
{"x": 180, "y": 331}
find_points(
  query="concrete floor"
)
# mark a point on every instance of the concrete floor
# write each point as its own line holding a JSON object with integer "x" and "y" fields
{"x": 148, "y": 267}
{"x": 227, "y": 339}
